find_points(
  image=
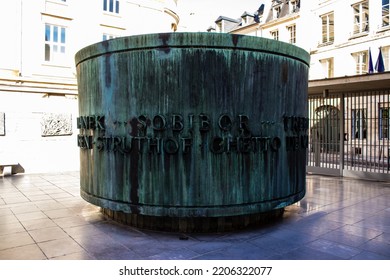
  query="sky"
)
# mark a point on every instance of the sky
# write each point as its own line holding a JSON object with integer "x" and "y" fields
{"x": 198, "y": 15}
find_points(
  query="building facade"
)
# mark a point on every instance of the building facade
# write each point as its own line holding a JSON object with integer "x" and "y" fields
{"x": 343, "y": 37}
{"x": 38, "y": 90}
{"x": 351, "y": 34}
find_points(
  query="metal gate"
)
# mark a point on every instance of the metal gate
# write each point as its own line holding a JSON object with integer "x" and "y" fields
{"x": 349, "y": 134}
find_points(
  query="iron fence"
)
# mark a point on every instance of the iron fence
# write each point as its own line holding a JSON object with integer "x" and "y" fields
{"x": 349, "y": 134}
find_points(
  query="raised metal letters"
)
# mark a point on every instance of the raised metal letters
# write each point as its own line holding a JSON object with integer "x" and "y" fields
{"x": 235, "y": 135}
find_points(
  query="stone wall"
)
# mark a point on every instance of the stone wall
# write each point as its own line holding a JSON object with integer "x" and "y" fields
{"x": 39, "y": 131}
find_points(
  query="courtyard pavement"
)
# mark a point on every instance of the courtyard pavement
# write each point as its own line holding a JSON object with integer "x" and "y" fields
{"x": 42, "y": 216}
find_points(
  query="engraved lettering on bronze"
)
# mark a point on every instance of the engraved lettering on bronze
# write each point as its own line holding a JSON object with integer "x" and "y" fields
{"x": 225, "y": 123}
{"x": 159, "y": 123}
{"x": 91, "y": 122}
{"x": 84, "y": 142}
{"x": 142, "y": 125}
{"x": 238, "y": 140}
{"x": 204, "y": 123}
{"x": 244, "y": 125}
{"x": 177, "y": 123}
{"x": 217, "y": 145}
{"x": 154, "y": 145}
{"x": 171, "y": 146}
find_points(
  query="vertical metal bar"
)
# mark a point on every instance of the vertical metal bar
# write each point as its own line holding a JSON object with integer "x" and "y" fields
{"x": 366, "y": 143}
{"x": 386, "y": 96}
{"x": 341, "y": 122}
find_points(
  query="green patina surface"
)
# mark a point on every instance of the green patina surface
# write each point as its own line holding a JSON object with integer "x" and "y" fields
{"x": 192, "y": 124}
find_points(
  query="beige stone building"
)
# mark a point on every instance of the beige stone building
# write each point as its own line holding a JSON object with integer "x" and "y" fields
{"x": 339, "y": 34}
{"x": 38, "y": 91}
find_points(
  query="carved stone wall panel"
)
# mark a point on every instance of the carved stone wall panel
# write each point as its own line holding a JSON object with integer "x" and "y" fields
{"x": 53, "y": 124}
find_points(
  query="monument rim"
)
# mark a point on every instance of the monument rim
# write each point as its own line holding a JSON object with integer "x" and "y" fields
{"x": 194, "y": 40}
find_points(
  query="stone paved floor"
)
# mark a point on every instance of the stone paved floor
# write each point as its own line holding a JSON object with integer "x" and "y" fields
{"x": 43, "y": 217}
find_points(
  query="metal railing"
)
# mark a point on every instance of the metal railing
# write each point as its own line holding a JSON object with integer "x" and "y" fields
{"x": 349, "y": 134}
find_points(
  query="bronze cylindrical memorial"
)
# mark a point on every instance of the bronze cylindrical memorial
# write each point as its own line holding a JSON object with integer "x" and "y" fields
{"x": 192, "y": 131}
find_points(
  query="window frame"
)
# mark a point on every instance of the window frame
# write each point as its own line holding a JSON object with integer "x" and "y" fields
{"x": 361, "y": 62}
{"x": 55, "y": 47}
{"x": 386, "y": 57}
{"x": 361, "y": 25}
{"x": 275, "y": 34}
{"x": 292, "y": 30}
{"x": 111, "y": 6}
{"x": 293, "y": 5}
{"x": 328, "y": 65}
{"x": 385, "y": 13}
{"x": 328, "y": 29}
{"x": 276, "y": 10}
{"x": 108, "y": 36}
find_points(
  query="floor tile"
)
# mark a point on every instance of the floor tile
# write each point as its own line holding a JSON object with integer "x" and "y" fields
{"x": 14, "y": 200}
{"x": 345, "y": 238}
{"x": 8, "y": 219}
{"x": 11, "y": 228}
{"x": 98, "y": 245}
{"x": 59, "y": 213}
{"x": 28, "y": 252}
{"x": 31, "y": 216}
{"x": 72, "y": 221}
{"x": 15, "y": 240}
{"x": 183, "y": 254}
{"x": 42, "y": 197}
{"x": 49, "y": 205}
{"x": 374, "y": 246}
{"x": 366, "y": 255}
{"x": 82, "y": 231}
{"x": 38, "y": 224}
{"x": 75, "y": 256}
{"x": 333, "y": 248}
{"x": 24, "y": 209}
{"x": 60, "y": 247}
{"x": 304, "y": 253}
{"x": 5, "y": 212}
{"x": 47, "y": 234}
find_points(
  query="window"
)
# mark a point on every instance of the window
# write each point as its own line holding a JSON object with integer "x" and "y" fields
{"x": 359, "y": 124}
{"x": 386, "y": 57}
{"x": 111, "y": 6}
{"x": 384, "y": 121}
{"x": 327, "y": 28}
{"x": 328, "y": 66}
{"x": 293, "y": 6}
{"x": 292, "y": 30}
{"x": 360, "y": 13}
{"x": 275, "y": 34}
{"x": 385, "y": 13}
{"x": 361, "y": 61}
{"x": 55, "y": 39}
{"x": 108, "y": 36}
{"x": 276, "y": 11}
